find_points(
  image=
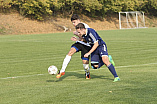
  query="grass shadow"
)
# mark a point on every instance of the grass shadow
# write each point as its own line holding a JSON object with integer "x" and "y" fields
{"x": 80, "y": 76}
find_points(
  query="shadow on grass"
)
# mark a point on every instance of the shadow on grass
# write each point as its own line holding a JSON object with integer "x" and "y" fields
{"x": 80, "y": 76}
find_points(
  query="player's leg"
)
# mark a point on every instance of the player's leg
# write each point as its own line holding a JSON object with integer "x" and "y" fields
{"x": 104, "y": 54}
{"x": 86, "y": 68}
{"x": 110, "y": 67}
{"x": 85, "y": 60}
{"x": 66, "y": 61}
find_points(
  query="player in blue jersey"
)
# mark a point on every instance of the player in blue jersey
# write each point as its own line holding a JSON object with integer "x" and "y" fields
{"x": 76, "y": 47}
{"x": 98, "y": 52}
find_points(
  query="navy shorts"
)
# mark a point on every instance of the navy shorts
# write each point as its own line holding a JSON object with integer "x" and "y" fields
{"x": 96, "y": 56}
{"x": 83, "y": 48}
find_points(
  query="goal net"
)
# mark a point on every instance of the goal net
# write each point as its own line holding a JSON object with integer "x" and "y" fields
{"x": 131, "y": 20}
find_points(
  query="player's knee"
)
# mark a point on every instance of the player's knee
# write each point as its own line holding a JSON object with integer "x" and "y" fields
{"x": 72, "y": 51}
{"x": 95, "y": 65}
{"x": 105, "y": 60}
{"x": 85, "y": 61}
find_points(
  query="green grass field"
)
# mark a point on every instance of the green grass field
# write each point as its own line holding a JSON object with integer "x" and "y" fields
{"x": 24, "y": 79}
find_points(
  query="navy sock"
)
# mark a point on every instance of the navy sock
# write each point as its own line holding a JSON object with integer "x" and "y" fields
{"x": 112, "y": 70}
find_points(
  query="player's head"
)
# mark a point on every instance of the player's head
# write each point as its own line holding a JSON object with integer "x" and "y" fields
{"x": 75, "y": 19}
{"x": 80, "y": 28}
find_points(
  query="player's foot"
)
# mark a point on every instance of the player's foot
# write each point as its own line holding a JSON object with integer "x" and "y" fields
{"x": 111, "y": 60}
{"x": 116, "y": 79}
{"x": 60, "y": 74}
{"x": 87, "y": 75}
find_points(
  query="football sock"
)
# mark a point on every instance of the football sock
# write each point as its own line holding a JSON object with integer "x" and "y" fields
{"x": 65, "y": 63}
{"x": 86, "y": 67}
{"x": 112, "y": 70}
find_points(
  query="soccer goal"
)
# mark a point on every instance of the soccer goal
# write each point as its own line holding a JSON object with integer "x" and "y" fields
{"x": 131, "y": 20}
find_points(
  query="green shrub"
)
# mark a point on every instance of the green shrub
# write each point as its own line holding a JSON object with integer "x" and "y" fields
{"x": 150, "y": 7}
{"x": 5, "y": 5}
{"x": 34, "y": 8}
{"x": 38, "y": 9}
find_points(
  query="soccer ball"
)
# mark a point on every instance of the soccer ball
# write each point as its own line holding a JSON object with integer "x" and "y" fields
{"x": 52, "y": 70}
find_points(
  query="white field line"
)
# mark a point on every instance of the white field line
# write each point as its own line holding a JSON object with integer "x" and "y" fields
{"x": 136, "y": 65}
{"x": 22, "y": 76}
{"x": 80, "y": 70}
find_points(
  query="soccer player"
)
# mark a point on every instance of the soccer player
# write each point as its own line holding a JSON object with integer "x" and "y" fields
{"x": 76, "y": 47}
{"x": 98, "y": 52}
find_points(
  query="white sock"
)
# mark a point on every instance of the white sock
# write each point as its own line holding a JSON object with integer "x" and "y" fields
{"x": 86, "y": 67}
{"x": 65, "y": 63}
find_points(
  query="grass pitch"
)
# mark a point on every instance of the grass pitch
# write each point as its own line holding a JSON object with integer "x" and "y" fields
{"x": 24, "y": 79}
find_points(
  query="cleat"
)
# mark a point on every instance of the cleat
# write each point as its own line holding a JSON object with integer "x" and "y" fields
{"x": 60, "y": 74}
{"x": 87, "y": 75}
{"x": 116, "y": 79}
{"x": 111, "y": 60}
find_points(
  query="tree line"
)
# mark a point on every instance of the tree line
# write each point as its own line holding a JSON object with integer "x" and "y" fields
{"x": 39, "y": 9}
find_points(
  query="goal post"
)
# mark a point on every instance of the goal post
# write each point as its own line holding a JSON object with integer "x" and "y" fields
{"x": 131, "y": 20}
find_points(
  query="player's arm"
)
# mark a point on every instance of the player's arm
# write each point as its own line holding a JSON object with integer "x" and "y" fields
{"x": 95, "y": 40}
{"x": 77, "y": 39}
{"x": 96, "y": 44}
{"x": 76, "y": 33}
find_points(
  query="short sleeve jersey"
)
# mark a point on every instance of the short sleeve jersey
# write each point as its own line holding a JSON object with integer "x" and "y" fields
{"x": 92, "y": 36}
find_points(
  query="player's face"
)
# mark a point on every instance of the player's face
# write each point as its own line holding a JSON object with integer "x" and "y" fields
{"x": 75, "y": 22}
{"x": 81, "y": 31}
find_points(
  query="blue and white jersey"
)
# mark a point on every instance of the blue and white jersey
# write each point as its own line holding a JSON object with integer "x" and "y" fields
{"x": 92, "y": 36}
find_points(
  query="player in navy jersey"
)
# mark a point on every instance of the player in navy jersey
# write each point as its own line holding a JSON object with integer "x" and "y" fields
{"x": 98, "y": 52}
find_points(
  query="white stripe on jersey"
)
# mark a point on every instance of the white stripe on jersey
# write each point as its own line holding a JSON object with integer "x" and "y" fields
{"x": 86, "y": 44}
{"x": 94, "y": 39}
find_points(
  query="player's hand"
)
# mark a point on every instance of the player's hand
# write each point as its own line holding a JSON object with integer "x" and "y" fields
{"x": 86, "y": 55}
{"x": 74, "y": 38}
{"x": 75, "y": 33}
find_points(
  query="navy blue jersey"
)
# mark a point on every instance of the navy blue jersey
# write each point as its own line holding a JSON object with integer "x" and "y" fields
{"x": 92, "y": 36}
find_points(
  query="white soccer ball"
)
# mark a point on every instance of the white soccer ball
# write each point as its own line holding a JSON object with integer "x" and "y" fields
{"x": 52, "y": 70}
